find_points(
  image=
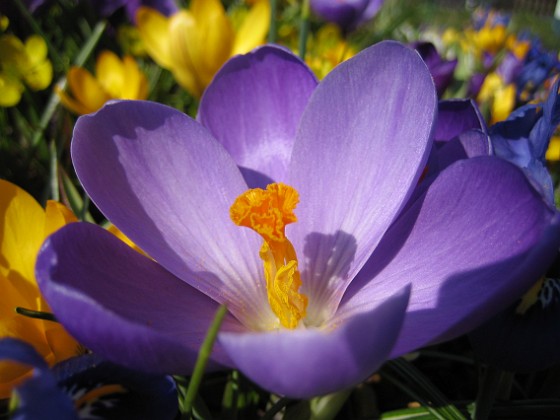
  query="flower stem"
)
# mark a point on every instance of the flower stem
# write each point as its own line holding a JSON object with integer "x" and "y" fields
{"x": 54, "y": 99}
{"x": 303, "y": 29}
{"x": 273, "y": 23}
{"x": 328, "y": 406}
{"x": 202, "y": 360}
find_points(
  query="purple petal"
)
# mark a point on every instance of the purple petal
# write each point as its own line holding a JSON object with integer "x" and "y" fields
{"x": 455, "y": 116}
{"x": 470, "y": 245}
{"x": 161, "y": 178}
{"x": 442, "y": 70}
{"x": 121, "y": 304}
{"x": 343, "y": 13}
{"x": 253, "y": 106}
{"x": 467, "y": 145}
{"x": 348, "y": 14}
{"x": 305, "y": 363}
{"x": 361, "y": 147}
{"x": 21, "y": 352}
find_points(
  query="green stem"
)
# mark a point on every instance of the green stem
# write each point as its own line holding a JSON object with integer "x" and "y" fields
{"x": 487, "y": 393}
{"x": 272, "y": 32}
{"x": 303, "y": 29}
{"x": 328, "y": 406}
{"x": 276, "y": 408}
{"x": 54, "y": 100}
{"x": 54, "y": 185}
{"x": 202, "y": 360}
{"x": 412, "y": 394}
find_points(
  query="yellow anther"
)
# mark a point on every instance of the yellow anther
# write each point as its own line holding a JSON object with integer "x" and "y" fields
{"x": 268, "y": 212}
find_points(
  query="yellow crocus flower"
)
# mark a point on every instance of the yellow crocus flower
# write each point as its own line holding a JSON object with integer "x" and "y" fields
{"x": 553, "y": 151}
{"x": 327, "y": 49}
{"x": 22, "y": 63}
{"x": 193, "y": 44}
{"x": 498, "y": 95}
{"x": 24, "y": 225}
{"x": 114, "y": 79}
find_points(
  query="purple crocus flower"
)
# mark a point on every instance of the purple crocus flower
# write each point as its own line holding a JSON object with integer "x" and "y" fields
{"x": 442, "y": 70}
{"x": 348, "y": 14}
{"x": 384, "y": 270}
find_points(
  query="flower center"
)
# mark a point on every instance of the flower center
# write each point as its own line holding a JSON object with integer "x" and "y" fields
{"x": 268, "y": 212}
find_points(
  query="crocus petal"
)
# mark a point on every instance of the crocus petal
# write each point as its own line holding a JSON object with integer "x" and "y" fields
{"x": 56, "y": 216}
{"x": 17, "y": 351}
{"x": 305, "y": 363}
{"x": 161, "y": 178}
{"x": 211, "y": 43}
{"x": 344, "y": 13}
{"x": 253, "y": 106}
{"x": 183, "y": 63}
{"x": 467, "y": 145}
{"x": 110, "y": 73}
{"x": 153, "y": 28}
{"x": 21, "y": 232}
{"x": 455, "y": 116}
{"x": 135, "y": 85}
{"x": 362, "y": 145}
{"x": 123, "y": 306}
{"x": 86, "y": 89}
{"x": 254, "y": 28}
{"x": 468, "y": 248}
{"x": 71, "y": 104}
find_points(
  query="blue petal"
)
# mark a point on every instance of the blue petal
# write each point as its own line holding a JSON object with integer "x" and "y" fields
{"x": 38, "y": 397}
{"x": 116, "y": 392}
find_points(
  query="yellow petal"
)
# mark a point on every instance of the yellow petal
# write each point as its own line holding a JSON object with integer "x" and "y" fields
{"x": 153, "y": 28}
{"x": 212, "y": 43}
{"x": 181, "y": 24}
{"x": 56, "y": 216}
{"x": 553, "y": 151}
{"x": 86, "y": 89}
{"x": 10, "y": 91}
{"x": 15, "y": 294}
{"x": 110, "y": 73}
{"x": 135, "y": 84}
{"x": 36, "y": 49}
{"x": 22, "y": 222}
{"x": 39, "y": 76}
{"x": 504, "y": 101}
{"x": 13, "y": 53}
{"x": 254, "y": 29}
{"x": 71, "y": 104}
{"x": 118, "y": 233}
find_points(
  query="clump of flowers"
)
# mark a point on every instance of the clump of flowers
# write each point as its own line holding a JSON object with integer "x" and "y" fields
{"x": 22, "y": 64}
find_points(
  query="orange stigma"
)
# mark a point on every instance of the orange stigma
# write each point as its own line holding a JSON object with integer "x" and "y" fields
{"x": 268, "y": 212}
